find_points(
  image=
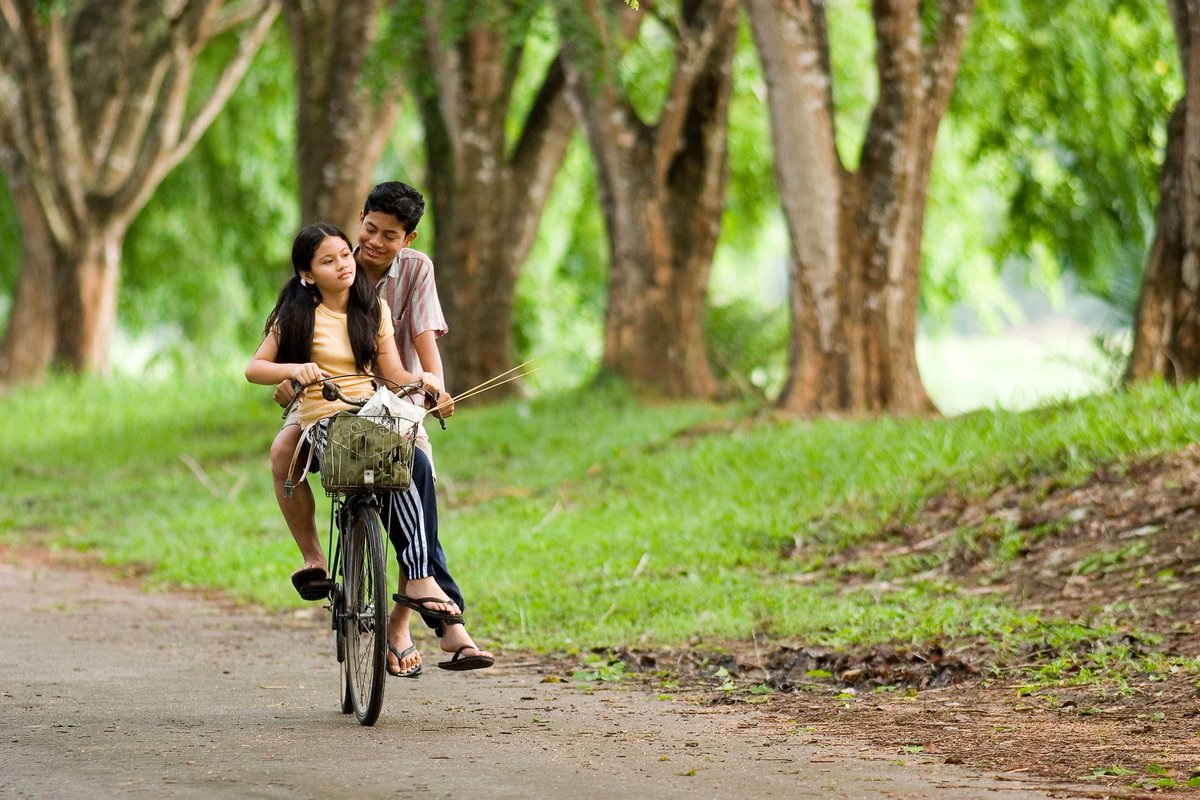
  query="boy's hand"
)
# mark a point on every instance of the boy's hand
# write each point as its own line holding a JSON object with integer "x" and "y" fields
{"x": 431, "y": 383}
{"x": 445, "y": 404}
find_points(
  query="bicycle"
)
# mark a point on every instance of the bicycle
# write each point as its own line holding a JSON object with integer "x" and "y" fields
{"x": 358, "y": 566}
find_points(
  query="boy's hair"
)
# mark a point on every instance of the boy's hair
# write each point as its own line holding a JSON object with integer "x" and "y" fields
{"x": 398, "y": 199}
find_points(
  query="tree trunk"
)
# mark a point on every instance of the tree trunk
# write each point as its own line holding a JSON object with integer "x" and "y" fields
{"x": 343, "y": 120}
{"x": 65, "y": 304}
{"x": 856, "y": 236}
{"x": 87, "y": 132}
{"x": 662, "y": 188}
{"x": 1166, "y": 331}
{"x": 30, "y": 340}
{"x": 487, "y": 193}
{"x": 810, "y": 178}
{"x": 87, "y": 306}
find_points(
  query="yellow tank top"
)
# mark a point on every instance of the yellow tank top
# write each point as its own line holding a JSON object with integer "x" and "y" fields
{"x": 331, "y": 351}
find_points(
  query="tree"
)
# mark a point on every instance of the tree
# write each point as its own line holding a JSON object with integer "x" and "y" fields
{"x": 96, "y": 107}
{"x": 1166, "y": 330}
{"x": 856, "y": 234}
{"x": 662, "y": 184}
{"x": 343, "y": 119}
{"x": 493, "y": 150}
{"x": 202, "y": 263}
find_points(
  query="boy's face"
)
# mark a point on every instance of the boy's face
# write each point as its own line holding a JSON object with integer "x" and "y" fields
{"x": 380, "y": 238}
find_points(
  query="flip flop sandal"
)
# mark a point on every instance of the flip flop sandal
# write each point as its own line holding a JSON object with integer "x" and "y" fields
{"x": 312, "y": 583}
{"x": 460, "y": 663}
{"x": 418, "y": 604}
{"x": 414, "y": 672}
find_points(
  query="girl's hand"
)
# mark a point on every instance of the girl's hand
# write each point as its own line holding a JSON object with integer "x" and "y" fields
{"x": 308, "y": 373}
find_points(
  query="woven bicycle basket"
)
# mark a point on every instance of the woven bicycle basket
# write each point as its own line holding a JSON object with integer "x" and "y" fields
{"x": 367, "y": 453}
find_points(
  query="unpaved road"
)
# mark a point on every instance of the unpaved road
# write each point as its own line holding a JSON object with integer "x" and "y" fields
{"x": 109, "y": 691}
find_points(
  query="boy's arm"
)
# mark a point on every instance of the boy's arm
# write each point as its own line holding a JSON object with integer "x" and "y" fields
{"x": 431, "y": 361}
{"x": 387, "y": 361}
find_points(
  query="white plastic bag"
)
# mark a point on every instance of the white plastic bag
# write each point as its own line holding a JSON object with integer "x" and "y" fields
{"x": 403, "y": 413}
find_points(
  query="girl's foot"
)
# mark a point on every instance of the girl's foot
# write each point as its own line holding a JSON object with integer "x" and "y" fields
{"x": 403, "y": 657}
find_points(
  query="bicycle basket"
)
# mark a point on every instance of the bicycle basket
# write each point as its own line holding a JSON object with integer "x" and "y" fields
{"x": 367, "y": 453}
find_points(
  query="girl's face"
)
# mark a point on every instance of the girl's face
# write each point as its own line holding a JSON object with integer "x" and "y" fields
{"x": 332, "y": 267}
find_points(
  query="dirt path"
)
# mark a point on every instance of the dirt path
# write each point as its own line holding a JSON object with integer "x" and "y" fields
{"x": 109, "y": 691}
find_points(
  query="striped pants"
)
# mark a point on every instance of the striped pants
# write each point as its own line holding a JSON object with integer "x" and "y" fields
{"x": 410, "y": 518}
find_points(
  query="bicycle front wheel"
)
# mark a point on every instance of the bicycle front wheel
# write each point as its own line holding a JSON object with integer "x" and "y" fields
{"x": 365, "y": 601}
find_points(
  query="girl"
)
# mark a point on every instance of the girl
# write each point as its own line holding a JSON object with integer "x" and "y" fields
{"x": 328, "y": 321}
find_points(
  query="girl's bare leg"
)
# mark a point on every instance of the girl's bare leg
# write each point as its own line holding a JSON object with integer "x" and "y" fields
{"x": 299, "y": 510}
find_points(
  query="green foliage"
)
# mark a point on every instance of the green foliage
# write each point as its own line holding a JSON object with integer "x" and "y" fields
{"x": 748, "y": 346}
{"x": 855, "y": 79}
{"x": 1067, "y": 103}
{"x": 205, "y": 259}
{"x": 646, "y": 68}
{"x": 751, "y": 198}
{"x": 403, "y": 40}
{"x": 539, "y": 48}
{"x": 559, "y": 307}
{"x": 958, "y": 266}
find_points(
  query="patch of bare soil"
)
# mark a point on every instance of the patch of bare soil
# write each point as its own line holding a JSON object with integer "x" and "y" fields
{"x": 1121, "y": 548}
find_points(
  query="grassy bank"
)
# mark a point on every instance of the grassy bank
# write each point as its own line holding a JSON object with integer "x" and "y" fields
{"x": 580, "y": 520}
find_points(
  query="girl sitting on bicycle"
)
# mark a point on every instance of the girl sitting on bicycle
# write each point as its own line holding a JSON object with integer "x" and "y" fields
{"x": 328, "y": 321}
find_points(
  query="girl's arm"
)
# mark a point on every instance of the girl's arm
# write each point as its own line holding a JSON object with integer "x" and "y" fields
{"x": 265, "y": 370}
{"x": 387, "y": 361}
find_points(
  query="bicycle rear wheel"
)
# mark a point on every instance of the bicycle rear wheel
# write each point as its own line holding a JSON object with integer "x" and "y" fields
{"x": 365, "y": 601}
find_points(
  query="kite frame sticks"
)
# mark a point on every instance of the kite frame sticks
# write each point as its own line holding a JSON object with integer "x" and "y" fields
{"x": 490, "y": 383}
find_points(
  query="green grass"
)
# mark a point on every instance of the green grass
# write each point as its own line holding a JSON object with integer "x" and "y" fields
{"x": 575, "y": 521}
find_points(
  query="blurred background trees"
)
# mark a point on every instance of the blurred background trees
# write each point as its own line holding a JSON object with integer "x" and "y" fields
{"x": 100, "y": 101}
{"x": 669, "y": 193}
{"x": 491, "y": 96}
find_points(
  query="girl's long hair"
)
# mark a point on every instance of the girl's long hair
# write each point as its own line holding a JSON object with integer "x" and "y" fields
{"x": 294, "y": 315}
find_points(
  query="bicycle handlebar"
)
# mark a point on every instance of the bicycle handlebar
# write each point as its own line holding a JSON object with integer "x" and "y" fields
{"x": 331, "y": 391}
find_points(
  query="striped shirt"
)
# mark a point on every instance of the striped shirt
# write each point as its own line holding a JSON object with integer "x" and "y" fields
{"x": 408, "y": 288}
